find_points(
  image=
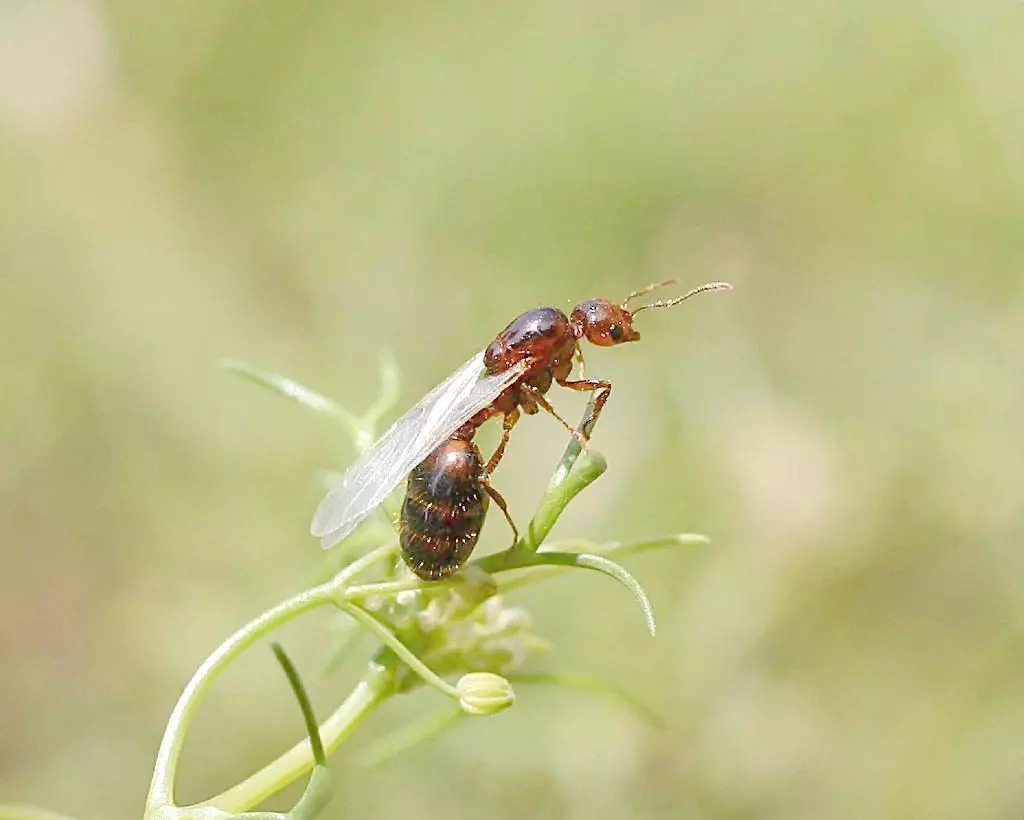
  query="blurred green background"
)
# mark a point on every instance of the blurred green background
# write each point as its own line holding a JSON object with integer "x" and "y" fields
{"x": 299, "y": 184}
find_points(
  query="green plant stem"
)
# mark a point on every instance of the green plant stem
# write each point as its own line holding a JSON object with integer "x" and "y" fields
{"x": 161, "y": 790}
{"x": 360, "y": 592}
{"x": 296, "y": 392}
{"x": 587, "y": 470}
{"x": 575, "y": 446}
{"x": 619, "y": 549}
{"x": 574, "y": 473}
{"x": 298, "y": 760}
{"x": 391, "y": 641}
{"x": 605, "y": 566}
{"x": 504, "y": 561}
{"x": 316, "y": 796}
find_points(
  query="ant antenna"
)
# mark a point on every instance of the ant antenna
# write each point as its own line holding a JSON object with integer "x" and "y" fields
{"x": 670, "y": 302}
{"x": 648, "y": 289}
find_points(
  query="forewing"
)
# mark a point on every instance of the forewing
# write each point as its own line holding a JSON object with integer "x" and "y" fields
{"x": 405, "y": 444}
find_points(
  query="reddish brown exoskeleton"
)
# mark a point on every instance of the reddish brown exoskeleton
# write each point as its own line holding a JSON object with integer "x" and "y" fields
{"x": 548, "y": 343}
{"x": 445, "y": 505}
{"x": 445, "y": 500}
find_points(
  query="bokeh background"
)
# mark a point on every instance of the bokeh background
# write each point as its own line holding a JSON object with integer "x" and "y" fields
{"x": 300, "y": 184}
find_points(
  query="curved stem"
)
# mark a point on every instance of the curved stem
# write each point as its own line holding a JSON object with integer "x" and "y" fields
{"x": 161, "y": 790}
{"x": 358, "y": 592}
{"x": 316, "y": 796}
{"x": 298, "y": 760}
{"x": 605, "y": 566}
{"x": 572, "y": 476}
{"x": 391, "y": 641}
{"x": 618, "y": 549}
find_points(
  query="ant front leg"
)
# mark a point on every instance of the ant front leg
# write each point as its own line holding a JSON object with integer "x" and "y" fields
{"x": 578, "y": 356}
{"x": 500, "y": 501}
{"x": 602, "y": 388}
{"x": 507, "y": 423}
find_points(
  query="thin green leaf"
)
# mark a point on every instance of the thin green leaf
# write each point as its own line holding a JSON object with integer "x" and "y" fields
{"x": 679, "y": 539}
{"x": 607, "y": 567}
{"x": 623, "y": 576}
{"x": 616, "y": 548}
{"x": 284, "y": 386}
{"x": 316, "y": 743}
{"x": 588, "y": 469}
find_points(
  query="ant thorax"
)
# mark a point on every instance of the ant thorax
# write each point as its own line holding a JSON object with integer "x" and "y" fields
{"x": 543, "y": 335}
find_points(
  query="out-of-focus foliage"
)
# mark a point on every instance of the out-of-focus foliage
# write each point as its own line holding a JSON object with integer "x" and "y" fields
{"x": 302, "y": 183}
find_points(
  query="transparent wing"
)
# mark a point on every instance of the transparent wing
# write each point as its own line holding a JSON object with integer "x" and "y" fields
{"x": 405, "y": 444}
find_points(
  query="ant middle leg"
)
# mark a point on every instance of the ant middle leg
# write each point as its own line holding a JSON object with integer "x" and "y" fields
{"x": 508, "y": 421}
{"x": 602, "y": 388}
{"x": 500, "y": 501}
{"x": 541, "y": 401}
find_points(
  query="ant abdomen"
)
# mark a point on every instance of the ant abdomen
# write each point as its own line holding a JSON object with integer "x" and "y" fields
{"x": 444, "y": 509}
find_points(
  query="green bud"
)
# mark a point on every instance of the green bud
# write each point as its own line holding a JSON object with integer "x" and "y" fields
{"x": 484, "y": 693}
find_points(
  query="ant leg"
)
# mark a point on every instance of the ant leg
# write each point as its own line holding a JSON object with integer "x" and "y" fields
{"x": 604, "y": 389}
{"x": 507, "y": 423}
{"x": 538, "y": 397}
{"x": 494, "y": 494}
{"x": 578, "y": 355}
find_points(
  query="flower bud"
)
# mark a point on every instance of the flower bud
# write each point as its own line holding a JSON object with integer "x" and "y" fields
{"x": 484, "y": 693}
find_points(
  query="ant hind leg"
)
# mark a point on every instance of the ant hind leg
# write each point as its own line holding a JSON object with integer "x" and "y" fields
{"x": 500, "y": 501}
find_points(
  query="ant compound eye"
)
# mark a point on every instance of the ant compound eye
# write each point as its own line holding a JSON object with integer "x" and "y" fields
{"x": 615, "y": 331}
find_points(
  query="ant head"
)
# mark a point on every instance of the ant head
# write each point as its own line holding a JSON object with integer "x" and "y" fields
{"x": 604, "y": 323}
